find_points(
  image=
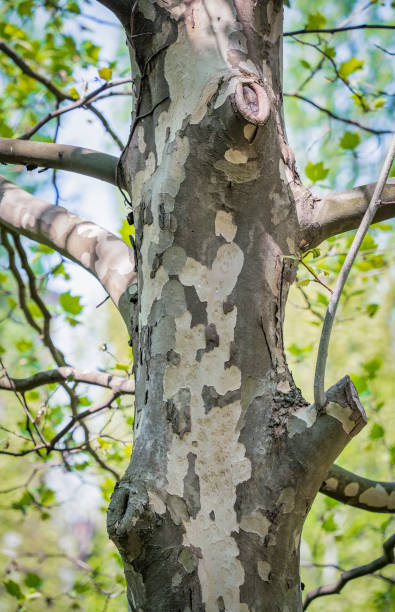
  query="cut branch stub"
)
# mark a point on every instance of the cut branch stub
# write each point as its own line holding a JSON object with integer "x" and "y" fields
{"x": 252, "y": 102}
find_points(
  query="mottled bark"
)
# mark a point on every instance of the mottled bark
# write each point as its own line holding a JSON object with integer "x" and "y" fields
{"x": 228, "y": 456}
{"x": 97, "y": 250}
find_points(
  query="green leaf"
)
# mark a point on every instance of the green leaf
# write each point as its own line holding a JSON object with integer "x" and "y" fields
{"x": 349, "y": 67}
{"x": 33, "y": 581}
{"x": 121, "y": 366}
{"x": 105, "y": 73}
{"x": 371, "y": 309}
{"x": 315, "y": 21}
{"x": 74, "y": 93}
{"x": 316, "y": 172}
{"x": 305, "y": 64}
{"x": 376, "y": 432}
{"x": 14, "y": 589}
{"x": 329, "y": 525}
{"x": 379, "y": 103}
{"x": 47, "y": 496}
{"x": 350, "y": 140}
{"x": 70, "y": 303}
{"x": 372, "y": 366}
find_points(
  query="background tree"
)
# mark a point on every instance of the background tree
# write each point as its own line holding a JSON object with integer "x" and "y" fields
{"x": 193, "y": 238}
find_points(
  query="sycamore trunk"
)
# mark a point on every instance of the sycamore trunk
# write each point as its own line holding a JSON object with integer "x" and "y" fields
{"x": 227, "y": 455}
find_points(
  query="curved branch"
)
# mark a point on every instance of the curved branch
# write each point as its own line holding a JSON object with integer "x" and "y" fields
{"x": 62, "y": 157}
{"x": 100, "y": 252}
{"x": 356, "y": 572}
{"x": 357, "y": 491}
{"x": 118, "y": 384}
{"x": 322, "y": 355}
{"x": 340, "y": 212}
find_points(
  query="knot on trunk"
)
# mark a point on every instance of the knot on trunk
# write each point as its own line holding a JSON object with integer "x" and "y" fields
{"x": 252, "y": 101}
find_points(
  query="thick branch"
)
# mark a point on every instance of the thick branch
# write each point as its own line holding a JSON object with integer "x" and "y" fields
{"x": 62, "y": 157}
{"x": 340, "y": 212}
{"x": 105, "y": 255}
{"x": 354, "y": 490}
{"x": 118, "y": 384}
{"x": 356, "y": 572}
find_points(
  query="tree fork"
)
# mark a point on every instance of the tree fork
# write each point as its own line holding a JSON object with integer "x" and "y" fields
{"x": 228, "y": 456}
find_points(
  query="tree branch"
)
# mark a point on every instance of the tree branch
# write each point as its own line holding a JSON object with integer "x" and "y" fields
{"x": 118, "y": 384}
{"x": 334, "y": 116}
{"x": 121, "y": 9}
{"x": 356, "y": 572}
{"x": 322, "y": 356}
{"x": 62, "y": 157}
{"x": 357, "y": 491}
{"x": 100, "y": 252}
{"x": 364, "y": 26}
{"x": 340, "y": 212}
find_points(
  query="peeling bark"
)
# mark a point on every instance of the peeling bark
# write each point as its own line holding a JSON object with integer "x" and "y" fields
{"x": 228, "y": 456}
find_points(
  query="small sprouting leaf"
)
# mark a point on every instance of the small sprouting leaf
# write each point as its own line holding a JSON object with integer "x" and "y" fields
{"x": 376, "y": 432}
{"x": 372, "y": 366}
{"x": 103, "y": 443}
{"x": 74, "y": 93}
{"x": 350, "y": 66}
{"x": 329, "y": 525}
{"x": 105, "y": 73}
{"x": 305, "y": 64}
{"x": 350, "y": 140}
{"x": 121, "y": 366}
{"x": 315, "y": 21}
{"x": 70, "y": 303}
{"x": 47, "y": 496}
{"x": 371, "y": 309}
{"x": 379, "y": 103}
{"x": 33, "y": 581}
{"x": 316, "y": 172}
{"x": 23, "y": 345}
{"x": 14, "y": 589}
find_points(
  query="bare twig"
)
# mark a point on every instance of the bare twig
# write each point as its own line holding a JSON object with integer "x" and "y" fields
{"x": 356, "y": 572}
{"x": 319, "y": 379}
{"x": 364, "y": 26}
{"x": 336, "y": 117}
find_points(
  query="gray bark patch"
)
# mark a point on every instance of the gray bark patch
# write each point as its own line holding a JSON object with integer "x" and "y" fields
{"x": 192, "y": 487}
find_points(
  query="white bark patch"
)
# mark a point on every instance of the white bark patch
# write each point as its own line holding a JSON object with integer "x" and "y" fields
{"x": 140, "y": 139}
{"x": 239, "y": 173}
{"x": 341, "y": 414}
{"x": 264, "y": 568}
{"x": 220, "y": 462}
{"x": 234, "y": 156}
{"x": 156, "y": 503}
{"x": 256, "y": 522}
{"x": 86, "y": 259}
{"x": 165, "y": 180}
{"x": 224, "y": 225}
{"x": 377, "y": 497}
{"x": 287, "y": 500}
{"x": 284, "y": 386}
{"x": 279, "y": 208}
{"x": 351, "y": 489}
{"x": 331, "y": 484}
{"x": 199, "y": 53}
{"x": 249, "y": 131}
{"x": 306, "y": 415}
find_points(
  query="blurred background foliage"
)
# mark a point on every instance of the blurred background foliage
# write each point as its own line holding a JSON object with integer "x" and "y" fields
{"x": 53, "y": 545}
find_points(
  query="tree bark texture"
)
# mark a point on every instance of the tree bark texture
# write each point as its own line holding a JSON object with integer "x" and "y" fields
{"x": 228, "y": 456}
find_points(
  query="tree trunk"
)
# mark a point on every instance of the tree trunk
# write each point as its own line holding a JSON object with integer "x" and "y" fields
{"x": 228, "y": 456}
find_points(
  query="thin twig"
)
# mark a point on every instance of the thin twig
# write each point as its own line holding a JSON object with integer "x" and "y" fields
{"x": 356, "y": 572}
{"x": 319, "y": 378}
{"x": 363, "y": 26}
{"x": 334, "y": 116}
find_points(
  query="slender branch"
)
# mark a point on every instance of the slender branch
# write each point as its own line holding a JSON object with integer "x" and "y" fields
{"x": 100, "y": 252}
{"x": 336, "y": 117}
{"x": 81, "y": 102}
{"x": 356, "y": 572}
{"x": 62, "y": 157}
{"x": 357, "y": 491}
{"x": 339, "y": 212}
{"x": 118, "y": 384}
{"x": 363, "y": 26}
{"x": 319, "y": 379}
{"x": 24, "y": 66}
